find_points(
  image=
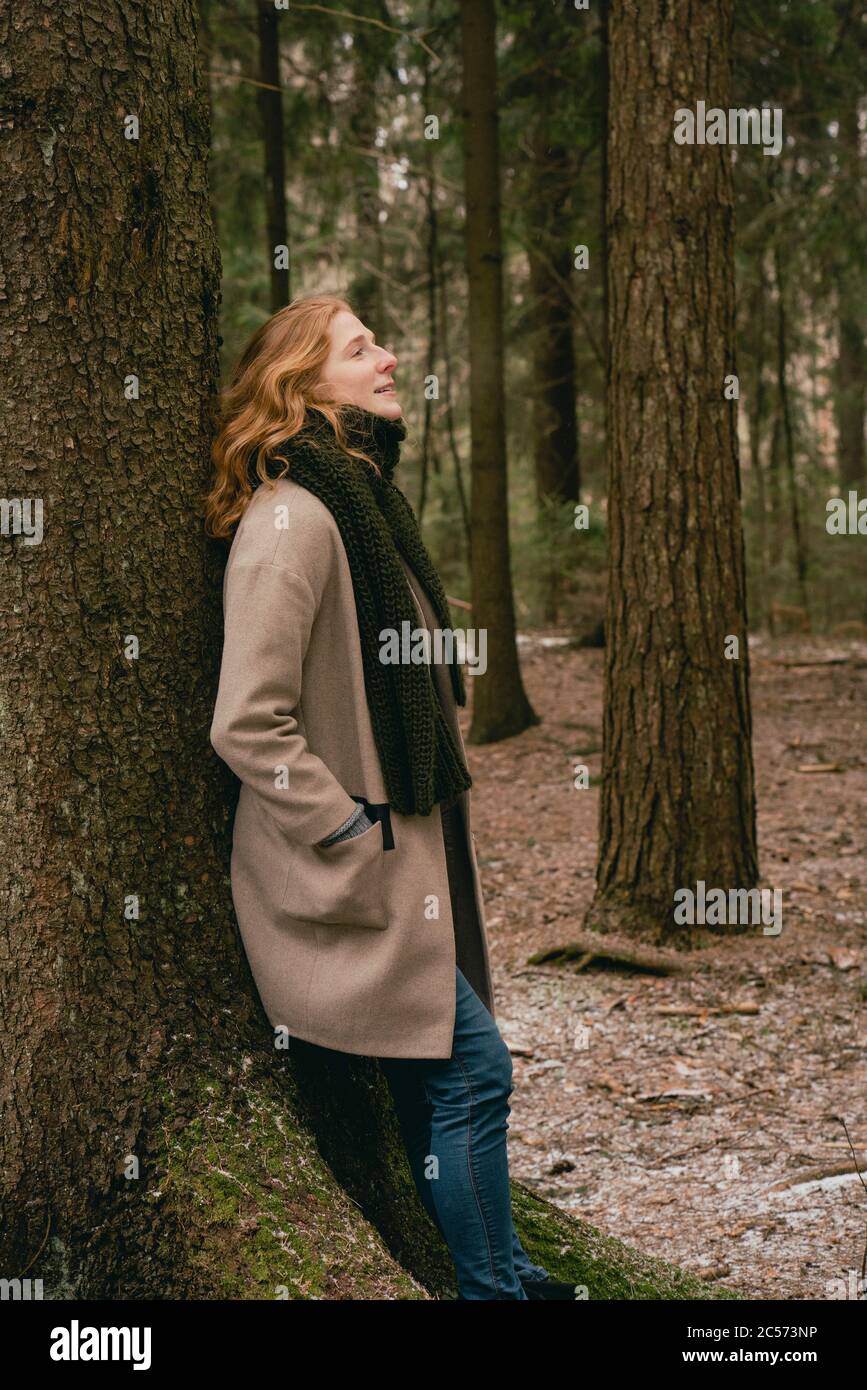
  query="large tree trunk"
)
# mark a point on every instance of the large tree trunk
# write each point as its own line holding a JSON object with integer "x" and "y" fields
{"x": 677, "y": 800}
{"x": 500, "y": 704}
{"x": 271, "y": 110}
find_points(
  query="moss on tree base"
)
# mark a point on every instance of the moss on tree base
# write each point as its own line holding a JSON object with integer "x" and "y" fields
{"x": 266, "y": 1217}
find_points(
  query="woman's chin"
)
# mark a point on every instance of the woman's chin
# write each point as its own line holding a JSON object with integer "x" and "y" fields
{"x": 387, "y": 406}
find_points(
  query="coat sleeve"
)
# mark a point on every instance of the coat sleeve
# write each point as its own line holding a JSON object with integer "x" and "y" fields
{"x": 269, "y": 613}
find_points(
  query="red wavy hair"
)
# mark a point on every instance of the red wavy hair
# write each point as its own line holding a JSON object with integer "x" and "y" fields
{"x": 275, "y": 380}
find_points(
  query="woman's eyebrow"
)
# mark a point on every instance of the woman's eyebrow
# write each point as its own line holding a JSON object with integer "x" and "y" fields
{"x": 359, "y": 338}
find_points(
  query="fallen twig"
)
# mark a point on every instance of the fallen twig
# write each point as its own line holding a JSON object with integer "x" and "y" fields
{"x": 832, "y": 1170}
{"x": 698, "y": 1011}
{"x": 816, "y": 661}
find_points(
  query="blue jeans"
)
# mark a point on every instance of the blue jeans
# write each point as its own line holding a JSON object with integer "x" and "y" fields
{"x": 452, "y": 1114}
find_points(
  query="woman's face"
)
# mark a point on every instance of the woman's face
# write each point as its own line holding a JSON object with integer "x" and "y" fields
{"x": 357, "y": 372}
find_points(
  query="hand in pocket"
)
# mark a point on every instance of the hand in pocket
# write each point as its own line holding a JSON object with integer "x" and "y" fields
{"x": 338, "y": 884}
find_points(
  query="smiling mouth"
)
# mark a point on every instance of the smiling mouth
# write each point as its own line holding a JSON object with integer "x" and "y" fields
{"x": 385, "y": 390}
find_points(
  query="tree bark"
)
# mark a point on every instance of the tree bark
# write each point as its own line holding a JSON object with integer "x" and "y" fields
{"x": 271, "y": 109}
{"x": 677, "y": 801}
{"x": 500, "y": 704}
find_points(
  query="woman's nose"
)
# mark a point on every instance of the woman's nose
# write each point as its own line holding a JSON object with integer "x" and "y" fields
{"x": 391, "y": 360}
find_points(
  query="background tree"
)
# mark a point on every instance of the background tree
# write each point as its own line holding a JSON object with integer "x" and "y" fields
{"x": 500, "y": 705}
{"x": 851, "y": 378}
{"x": 545, "y": 181}
{"x": 371, "y": 48}
{"x": 273, "y": 140}
{"x": 677, "y": 801}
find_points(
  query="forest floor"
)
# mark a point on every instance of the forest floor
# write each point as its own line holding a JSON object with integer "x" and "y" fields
{"x": 709, "y": 1139}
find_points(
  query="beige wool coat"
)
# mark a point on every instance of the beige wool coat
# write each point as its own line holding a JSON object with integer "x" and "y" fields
{"x": 352, "y": 946}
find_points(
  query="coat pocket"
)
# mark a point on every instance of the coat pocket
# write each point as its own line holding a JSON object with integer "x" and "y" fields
{"x": 337, "y": 885}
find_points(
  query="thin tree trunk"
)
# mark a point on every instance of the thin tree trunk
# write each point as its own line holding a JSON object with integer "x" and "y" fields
{"x": 371, "y": 55}
{"x": 604, "y": 6}
{"x": 450, "y": 413}
{"x": 555, "y": 427}
{"x": 851, "y": 394}
{"x": 755, "y": 417}
{"x": 775, "y": 471}
{"x": 428, "y": 450}
{"x": 851, "y": 366}
{"x": 550, "y": 258}
{"x": 798, "y": 537}
{"x": 500, "y": 704}
{"x": 271, "y": 109}
{"x": 677, "y": 801}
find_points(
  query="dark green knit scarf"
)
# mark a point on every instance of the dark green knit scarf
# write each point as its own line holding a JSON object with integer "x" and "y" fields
{"x": 421, "y": 762}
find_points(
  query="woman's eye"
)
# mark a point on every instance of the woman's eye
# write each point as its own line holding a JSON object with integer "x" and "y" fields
{"x": 357, "y": 351}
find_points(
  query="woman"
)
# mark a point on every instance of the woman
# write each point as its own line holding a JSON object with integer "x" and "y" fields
{"x": 353, "y": 871}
